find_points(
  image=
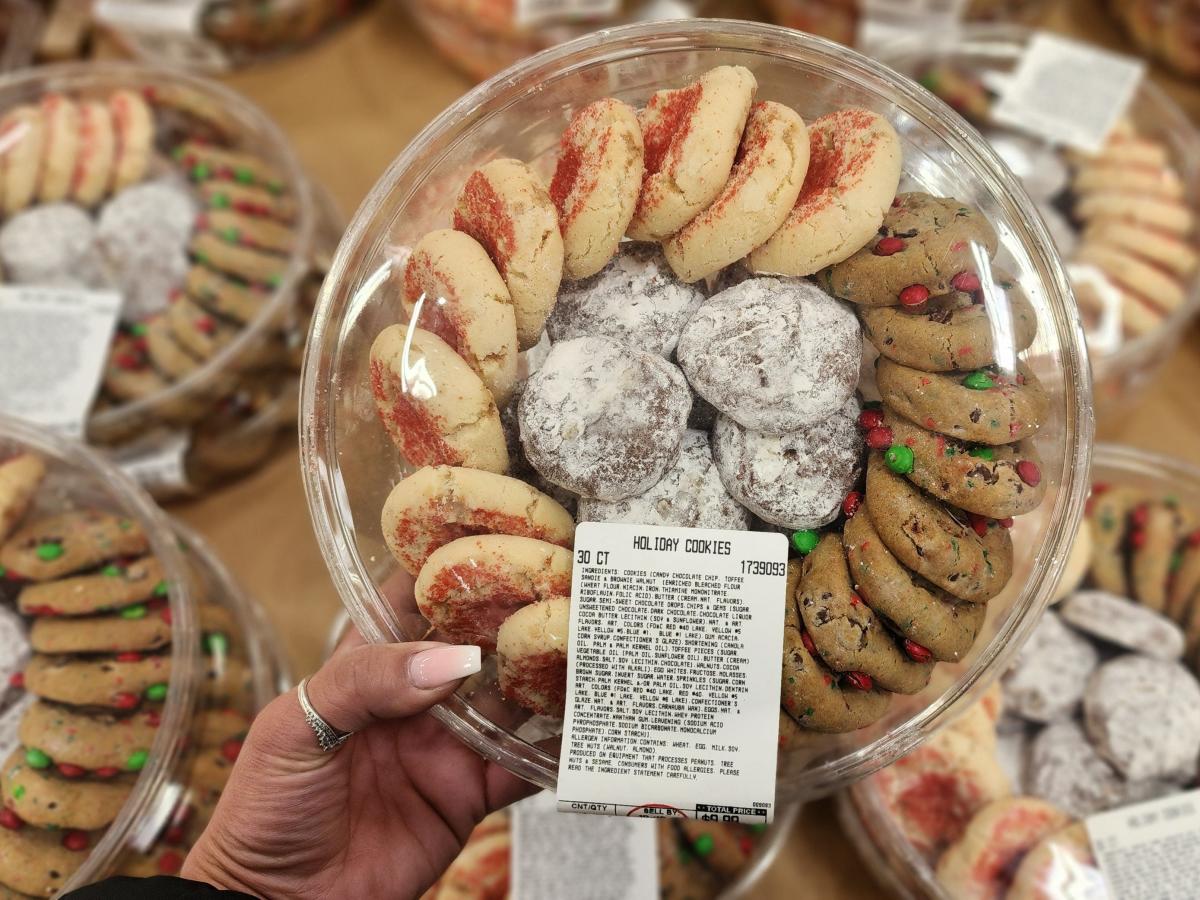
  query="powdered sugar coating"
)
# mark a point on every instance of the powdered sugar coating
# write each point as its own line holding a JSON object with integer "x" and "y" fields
{"x": 635, "y": 299}
{"x": 603, "y": 419}
{"x": 773, "y": 354}
{"x": 53, "y": 245}
{"x": 10, "y": 723}
{"x": 14, "y": 645}
{"x": 1049, "y": 676}
{"x": 690, "y": 495}
{"x": 798, "y": 479}
{"x": 1124, "y": 622}
{"x": 1065, "y": 769}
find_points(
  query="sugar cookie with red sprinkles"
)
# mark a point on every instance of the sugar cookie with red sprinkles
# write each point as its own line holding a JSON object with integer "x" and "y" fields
{"x": 468, "y": 587}
{"x": 20, "y": 477}
{"x": 22, "y": 135}
{"x": 134, "y": 125}
{"x": 433, "y": 406}
{"x": 596, "y": 184}
{"x": 60, "y": 116}
{"x": 1170, "y": 215}
{"x": 465, "y": 302}
{"x": 96, "y": 159}
{"x": 760, "y": 193}
{"x": 691, "y": 137}
{"x": 531, "y": 656}
{"x": 438, "y": 504}
{"x": 505, "y": 207}
{"x": 853, "y": 171}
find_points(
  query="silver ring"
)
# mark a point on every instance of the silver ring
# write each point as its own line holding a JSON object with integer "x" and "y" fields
{"x": 327, "y": 736}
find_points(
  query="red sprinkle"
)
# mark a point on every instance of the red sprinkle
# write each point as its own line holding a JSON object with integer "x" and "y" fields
{"x": 879, "y": 438}
{"x": 1006, "y": 522}
{"x": 69, "y": 770}
{"x": 1193, "y": 539}
{"x": 967, "y": 282}
{"x": 916, "y": 652}
{"x": 129, "y": 656}
{"x": 1100, "y": 487}
{"x": 10, "y": 820}
{"x": 914, "y": 295}
{"x": 1029, "y": 473}
{"x": 166, "y": 615}
{"x": 870, "y": 418}
{"x": 1140, "y": 516}
{"x": 888, "y": 245}
{"x": 979, "y": 523}
{"x": 170, "y": 862}
{"x": 106, "y": 772}
{"x": 851, "y": 504}
{"x": 807, "y": 640}
{"x": 75, "y": 840}
{"x": 855, "y": 599}
{"x": 125, "y": 700}
{"x": 231, "y": 748}
{"x": 1137, "y": 539}
{"x": 860, "y": 680}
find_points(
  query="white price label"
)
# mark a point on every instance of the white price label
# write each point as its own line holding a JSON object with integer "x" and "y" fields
{"x": 542, "y": 12}
{"x": 583, "y": 857}
{"x": 1149, "y": 851}
{"x": 53, "y": 344}
{"x": 673, "y": 673}
{"x": 156, "y": 16}
{"x": 883, "y": 21}
{"x": 1067, "y": 92}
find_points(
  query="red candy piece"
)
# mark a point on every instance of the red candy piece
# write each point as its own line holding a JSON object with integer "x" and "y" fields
{"x": 860, "y": 680}
{"x": 914, "y": 295}
{"x": 1100, "y": 487}
{"x": 125, "y": 700}
{"x": 68, "y": 770}
{"x": 879, "y": 438}
{"x": 206, "y": 324}
{"x": 916, "y": 652}
{"x": 1140, "y": 516}
{"x": 16, "y": 679}
{"x": 1006, "y": 522}
{"x": 851, "y": 504}
{"x": 10, "y": 820}
{"x": 106, "y": 772}
{"x": 75, "y": 840}
{"x": 174, "y": 835}
{"x": 979, "y": 523}
{"x": 166, "y": 615}
{"x": 870, "y": 418}
{"x": 807, "y": 640}
{"x": 170, "y": 863}
{"x": 153, "y": 719}
{"x": 1193, "y": 539}
{"x": 888, "y": 245}
{"x": 1137, "y": 539}
{"x": 129, "y": 656}
{"x": 1029, "y": 473}
{"x": 745, "y": 845}
{"x": 967, "y": 282}
{"x": 231, "y": 748}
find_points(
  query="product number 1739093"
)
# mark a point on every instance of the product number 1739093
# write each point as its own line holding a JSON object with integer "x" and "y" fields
{"x": 763, "y": 567}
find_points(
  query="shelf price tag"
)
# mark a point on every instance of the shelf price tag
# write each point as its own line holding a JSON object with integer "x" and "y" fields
{"x": 1146, "y": 851}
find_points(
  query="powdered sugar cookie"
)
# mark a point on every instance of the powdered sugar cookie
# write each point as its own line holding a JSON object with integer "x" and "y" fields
{"x": 464, "y": 301}
{"x": 20, "y": 478}
{"x": 52, "y": 245}
{"x": 438, "y": 504}
{"x": 596, "y": 183}
{"x": 760, "y": 193}
{"x": 531, "y": 656}
{"x": 602, "y": 419}
{"x": 1066, "y": 770}
{"x": 689, "y": 495}
{"x": 22, "y": 134}
{"x": 635, "y": 300}
{"x": 115, "y": 586}
{"x": 14, "y": 645}
{"x": 1124, "y": 623}
{"x": 97, "y": 155}
{"x": 134, "y": 125}
{"x": 58, "y": 545}
{"x": 1050, "y": 674}
{"x": 468, "y": 587}
{"x": 691, "y": 137}
{"x": 853, "y": 171}
{"x": 433, "y": 406}
{"x": 60, "y": 118}
{"x": 801, "y": 370}
{"x": 505, "y": 208}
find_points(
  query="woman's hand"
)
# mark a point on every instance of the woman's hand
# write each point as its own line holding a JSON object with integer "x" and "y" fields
{"x": 383, "y": 815}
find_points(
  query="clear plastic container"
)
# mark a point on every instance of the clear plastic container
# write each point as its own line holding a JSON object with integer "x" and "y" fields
{"x": 962, "y": 70}
{"x": 350, "y": 465}
{"x": 896, "y": 841}
{"x": 21, "y": 23}
{"x": 210, "y": 309}
{"x": 1165, "y": 30}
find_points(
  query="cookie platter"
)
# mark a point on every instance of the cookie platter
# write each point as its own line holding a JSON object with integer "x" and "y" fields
{"x": 1100, "y": 711}
{"x": 187, "y": 201}
{"x": 132, "y": 668}
{"x": 1125, "y": 219}
{"x": 663, "y": 381}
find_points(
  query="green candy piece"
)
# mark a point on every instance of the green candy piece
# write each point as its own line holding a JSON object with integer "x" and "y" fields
{"x": 138, "y": 329}
{"x": 3, "y": 571}
{"x": 201, "y": 258}
{"x": 979, "y": 381}
{"x": 18, "y": 792}
{"x": 216, "y": 643}
{"x": 112, "y": 571}
{"x": 243, "y": 175}
{"x": 275, "y": 187}
{"x": 157, "y": 691}
{"x": 1176, "y": 561}
{"x": 137, "y": 611}
{"x": 200, "y": 171}
{"x": 275, "y": 281}
{"x": 49, "y": 551}
{"x": 899, "y": 459}
{"x": 125, "y": 524}
{"x": 178, "y": 152}
{"x": 137, "y": 760}
{"x": 929, "y": 81}
{"x": 983, "y": 453}
{"x": 232, "y": 235}
{"x": 805, "y": 541}
{"x": 160, "y": 589}
{"x": 37, "y": 758}
{"x": 759, "y": 827}
{"x": 219, "y": 201}
{"x": 703, "y": 845}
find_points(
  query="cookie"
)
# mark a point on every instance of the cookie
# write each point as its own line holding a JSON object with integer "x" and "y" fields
{"x": 1145, "y": 281}
{"x": 197, "y": 331}
{"x": 996, "y": 482}
{"x": 801, "y": 370}
{"x": 96, "y": 159}
{"x": 53, "y": 245}
{"x": 216, "y": 726}
{"x": 602, "y": 419}
{"x": 435, "y": 409}
{"x": 952, "y": 332}
{"x": 924, "y": 614}
{"x": 846, "y": 633}
{"x": 438, "y": 504}
{"x": 115, "y": 586}
{"x": 1185, "y": 587}
{"x": 127, "y": 633}
{"x": 984, "y": 407}
{"x": 596, "y": 183}
{"x": 102, "y": 681}
{"x": 208, "y": 161}
{"x": 1078, "y": 560}
{"x": 60, "y": 118}
{"x": 980, "y": 863}
{"x": 927, "y": 538}
{"x": 796, "y": 480}
{"x": 531, "y": 656}
{"x": 103, "y": 745}
{"x": 128, "y": 374}
{"x": 926, "y": 247}
{"x": 722, "y": 849}
{"x": 58, "y": 545}
{"x": 464, "y": 301}
{"x": 482, "y": 869}
{"x": 134, "y": 126}
{"x": 690, "y": 495}
{"x": 1108, "y": 511}
{"x": 37, "y": 861}
{"x": 20, "y": 477}
{"x": 238, "y": 261}
{"x": 505, "y": 208}
{"x": 1048, "y": 678}
{"x": 51, "y": 801}
{"x": 468, "y": 587}
{"x": 1102, "y": 175}
{"x": 247, "y": 230}
{"x": 1167, "y": 251}
{"x": 853, "y": 171}
{"x": 1141, "y": 715}
{"x": 767, "y": 174}
{"x": 691, "y": 136}
{"x": 1066, "y": 770}
{"x": 166, "y": 353}
{"x": 226, "y": 680}
{"x": 1061, "y": 858}
{"x": 1170, "y": 215}
{"x": 250, "y": 199}
{"x": 23, "y": 134}
{"x": 223, "y": 295}
{"x": 1157, "y": 529}
{"x": 634, "y": 300}
{"x": 1124, "y": 623}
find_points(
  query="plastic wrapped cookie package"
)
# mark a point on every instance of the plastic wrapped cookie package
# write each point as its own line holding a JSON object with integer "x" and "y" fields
{"x": 1124, "y": 219}
{"x": 1097, "y": 714}
{"x": 187, "y": 201}
{"x": 467, "y": 402}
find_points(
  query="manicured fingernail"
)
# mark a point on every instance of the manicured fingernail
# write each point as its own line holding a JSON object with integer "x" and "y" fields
{"x": 441, "y": 665}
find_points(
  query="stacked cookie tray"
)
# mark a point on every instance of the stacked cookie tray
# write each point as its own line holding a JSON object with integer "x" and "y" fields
{"x": 187, "y": 201}
{"x": 133, "y": 667}
{"x": 678, "y": 377}
{"x": 1124, "y": 218}
{"x": 1101, "y": 711}
{"x": 1164, "y": 30}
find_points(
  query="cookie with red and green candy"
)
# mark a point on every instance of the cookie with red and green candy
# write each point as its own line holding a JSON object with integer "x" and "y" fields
{"x": 43, "y": 798}
{"x": 38, "y": 862}
{"x": 723, "y": 849}
{"x": 64, "y": 543}
{"x": 87, "y": 744}
{"x": 120, "y": 681}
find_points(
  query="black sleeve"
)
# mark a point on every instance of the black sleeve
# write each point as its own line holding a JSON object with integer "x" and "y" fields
{"x": 160, "y": 887}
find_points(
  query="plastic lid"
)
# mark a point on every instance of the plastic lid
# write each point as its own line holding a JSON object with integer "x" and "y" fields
{"x": 355, "y": 475}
